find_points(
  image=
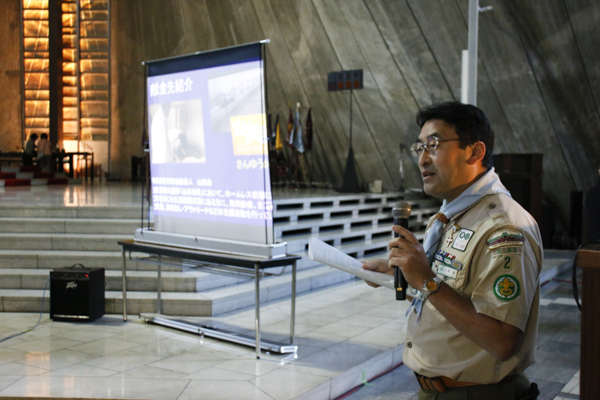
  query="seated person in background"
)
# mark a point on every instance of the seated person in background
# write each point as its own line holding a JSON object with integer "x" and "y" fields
{"x": 29, "y": 151}
{"x": 45, "y": 153}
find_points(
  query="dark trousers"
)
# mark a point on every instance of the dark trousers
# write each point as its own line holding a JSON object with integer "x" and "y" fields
{"x": 27, "y": 159}
{"x": 511, "y": 388}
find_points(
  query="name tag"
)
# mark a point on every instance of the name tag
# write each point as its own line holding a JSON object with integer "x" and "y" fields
{"x": 447, "y": 270}
{"x": 446, "y": 265}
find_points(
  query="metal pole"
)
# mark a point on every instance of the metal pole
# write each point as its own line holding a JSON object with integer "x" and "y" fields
{"x": 293, "y": 315}
{"x": 159, "y": 288}
{"x": 257, "y": 309}
{"x": 473, "y": 38}
{"x": 350, "y": 117}
{"x": 124, "y": 275}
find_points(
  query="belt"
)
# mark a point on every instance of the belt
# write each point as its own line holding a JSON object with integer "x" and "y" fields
{"x": 440, "y": 383}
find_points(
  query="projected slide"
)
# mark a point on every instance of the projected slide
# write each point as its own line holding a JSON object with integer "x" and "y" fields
{"x": 208, "y": 152}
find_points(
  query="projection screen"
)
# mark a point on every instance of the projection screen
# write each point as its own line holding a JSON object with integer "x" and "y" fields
{"x": 208, "y": 145}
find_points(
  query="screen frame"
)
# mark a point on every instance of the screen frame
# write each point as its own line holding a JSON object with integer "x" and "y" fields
{"x": 255, "y": 51}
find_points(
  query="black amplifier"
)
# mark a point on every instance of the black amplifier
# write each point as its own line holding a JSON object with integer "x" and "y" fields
{"x": 76, "y": 294}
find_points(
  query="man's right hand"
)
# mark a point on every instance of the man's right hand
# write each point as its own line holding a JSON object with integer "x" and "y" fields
{"x": 377, "y": 265}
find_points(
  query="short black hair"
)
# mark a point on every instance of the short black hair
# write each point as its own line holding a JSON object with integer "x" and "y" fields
{"x": 44, "y": 136}
{"x": 33, "y": 136}
{"x": 469, "y": 122}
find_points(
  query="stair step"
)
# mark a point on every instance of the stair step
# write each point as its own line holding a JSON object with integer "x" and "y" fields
{"x": 172, "y": 281}
{"x": 70, "y": 225}
{"x": 206, "y": 303}
{"x": 36, "y": 239}
{"x": 36, "y": 211}
{"x": 62, "y": 241}
{"x": 52, "y": 259}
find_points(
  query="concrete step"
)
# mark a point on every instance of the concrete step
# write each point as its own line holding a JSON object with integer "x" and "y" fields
{"x": 70, "y": 225}
{"x": 62, "y": 241}
{"x": 205, "y": 303}
{"x": 52, "y": 259}
{"x": 50, "y": 211}
{"x": 172, "y": 281}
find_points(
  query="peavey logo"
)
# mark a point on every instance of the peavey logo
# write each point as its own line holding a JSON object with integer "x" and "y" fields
{"x": 72, "y": 285}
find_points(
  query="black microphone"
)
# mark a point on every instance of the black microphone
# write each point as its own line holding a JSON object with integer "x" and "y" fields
{"x": 401, "y": 213}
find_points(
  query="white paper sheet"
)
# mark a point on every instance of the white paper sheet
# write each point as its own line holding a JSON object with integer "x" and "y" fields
{"x": 326, "y": 254}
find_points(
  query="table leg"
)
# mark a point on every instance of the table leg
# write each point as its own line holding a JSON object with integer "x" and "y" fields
{"x": 92, "y": 168}
{"x": 124, "y": 275}
{"x": 257, "y": 309}
{"x": 85, "y": 157}
{"x": 159, "y": 289}
{"x": 293, "y": 316}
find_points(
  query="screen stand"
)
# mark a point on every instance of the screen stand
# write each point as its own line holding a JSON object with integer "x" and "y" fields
{"x": 222, "y": 246}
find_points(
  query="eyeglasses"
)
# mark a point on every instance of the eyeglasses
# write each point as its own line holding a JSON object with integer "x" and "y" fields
{"x": 432, "y": 143}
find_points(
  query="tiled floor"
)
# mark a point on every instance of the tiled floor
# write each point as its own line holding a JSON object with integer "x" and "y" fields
{"x": 346, "y": 335}
{"x": 352, "y": 326}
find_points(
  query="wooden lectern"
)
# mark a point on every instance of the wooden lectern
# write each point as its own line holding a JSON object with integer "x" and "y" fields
{"x": 588, "y": 259}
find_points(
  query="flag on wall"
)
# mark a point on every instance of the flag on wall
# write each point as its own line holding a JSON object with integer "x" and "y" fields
{"x": 270, "y": 131}
{"x": 297, "y": 132}
{"x": 309, "y": 130}
{"x": 290, "y": 129}
{"x": 278, "y": 142}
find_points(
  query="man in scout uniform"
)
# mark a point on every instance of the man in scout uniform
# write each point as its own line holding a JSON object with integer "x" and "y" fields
{"x": 472, "y": 324}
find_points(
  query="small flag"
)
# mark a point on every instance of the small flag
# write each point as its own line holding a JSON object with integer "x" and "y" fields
{"x": 270, "y": 131}
{"x": 297, "y": 133}
{"x": 290, "y": 129}
{"x": 309, "y": 130}
{"x": 278, "y": 143}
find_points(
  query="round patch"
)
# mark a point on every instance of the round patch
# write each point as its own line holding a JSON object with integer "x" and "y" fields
{"x": 507, "y": 287}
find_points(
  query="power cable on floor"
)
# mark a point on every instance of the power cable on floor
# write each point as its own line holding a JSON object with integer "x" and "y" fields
{"x": 39, "y": 319}
{"x": 351, "y": 391}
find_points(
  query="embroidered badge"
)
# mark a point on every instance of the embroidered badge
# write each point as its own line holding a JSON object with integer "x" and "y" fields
{"x": 462, "y": 240}
{"x": 505, "y": 237}
{"x": 504, "y": 251}
{"x": 507, "y": 287}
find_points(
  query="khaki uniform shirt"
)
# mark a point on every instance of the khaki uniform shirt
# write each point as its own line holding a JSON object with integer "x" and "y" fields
{"x": 492, "y": 255}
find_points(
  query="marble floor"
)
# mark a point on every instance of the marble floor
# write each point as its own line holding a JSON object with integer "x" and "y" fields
{"x": 346, "y": 334}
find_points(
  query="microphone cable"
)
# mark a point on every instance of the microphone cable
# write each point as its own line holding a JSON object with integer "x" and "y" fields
{"x": 39, "y": 319}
